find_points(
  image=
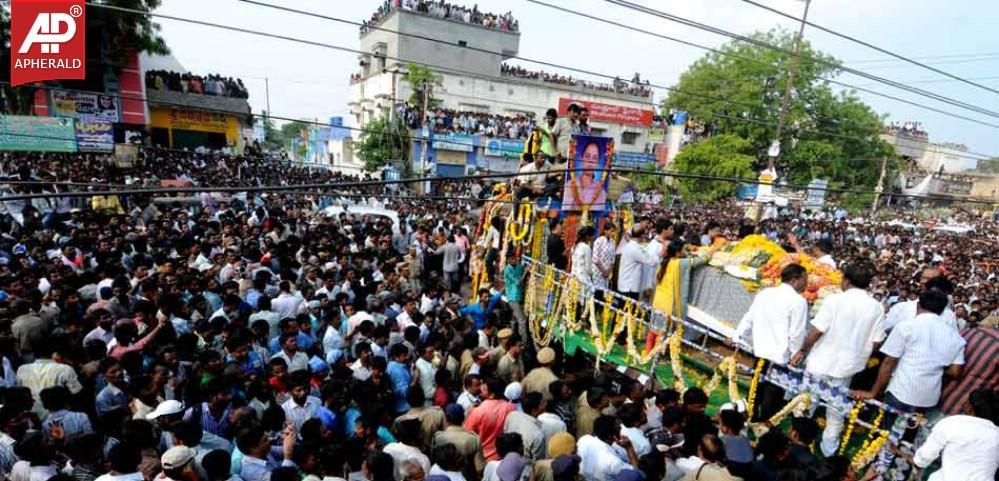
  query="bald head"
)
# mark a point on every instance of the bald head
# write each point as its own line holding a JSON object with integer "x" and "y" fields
{"x": 928, "y": 274}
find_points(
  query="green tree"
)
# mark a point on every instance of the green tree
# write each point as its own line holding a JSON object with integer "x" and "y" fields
{"x": 272, "y": 136}
{"x": 383, "y": 141}
{"x": 990, "y": 166}
{"x": 420, "y": 79}
{"x": 721, "y": 155}
{"x": 740, "y": 91}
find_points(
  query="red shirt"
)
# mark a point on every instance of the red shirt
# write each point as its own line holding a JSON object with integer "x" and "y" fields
{"x": 487, "y": 421}
{"x": 980, "y": 369}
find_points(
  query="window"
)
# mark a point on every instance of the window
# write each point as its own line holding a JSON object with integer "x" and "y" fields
{"x": 462, "y": 43}
{"x": 629, "y": 138}
{"x": 597, "y": 132}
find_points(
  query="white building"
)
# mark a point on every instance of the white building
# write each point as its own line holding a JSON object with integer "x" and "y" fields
{"x": 468, "y": 57}
{"x": 932, "y": 157}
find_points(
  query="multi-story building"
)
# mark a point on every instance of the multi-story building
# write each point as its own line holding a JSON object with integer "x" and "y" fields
{"x": 469, "y": 57}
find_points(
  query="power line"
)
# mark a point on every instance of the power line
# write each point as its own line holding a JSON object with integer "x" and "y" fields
{"x": 674, "y": 89}
{"x": 729, "y": 54}
{"x": 930, "y": 57}
{"x": 760, "y": 43}
{"x": 870, "y": 45}
{"x": 450, "y": 141}
{"x": 499, "y": 175}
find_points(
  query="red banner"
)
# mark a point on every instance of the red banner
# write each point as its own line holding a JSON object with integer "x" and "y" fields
{"x": 617, "y": 114}
{"x": 48, "y": 40}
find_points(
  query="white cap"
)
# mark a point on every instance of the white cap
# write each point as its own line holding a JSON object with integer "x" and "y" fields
{"x": 166, "y": 408}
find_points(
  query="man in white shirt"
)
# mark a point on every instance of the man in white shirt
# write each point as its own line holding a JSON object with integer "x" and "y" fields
{"x": 845, "y": 331}
{"x": 296, "y": 360}
{"x": 469, "y": 397}
{"x": 633, "y": 260}
{"x": 663, "y": 231}
{"x": 917, "y": 355}
{"x": 599, "y": 461}
{"x": 603, "y": 257}
{"x": 362, "y": 366}
{"x": 425, "y": 364}
{"x": 931, "y": 278}
{"x": 632, "y": 417}
{"x": 286, "y": 304}
{"x": 777, "y": 319}
{"x": 300, "y": 407}
{"x": 969, "y": 443}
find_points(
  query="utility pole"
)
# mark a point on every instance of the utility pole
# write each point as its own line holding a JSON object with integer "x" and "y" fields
{"x": 881, "y": 186}
{"x": 426, "y": 139}
{"x": 774, "y": 151}
{"x": 267, "y": 94}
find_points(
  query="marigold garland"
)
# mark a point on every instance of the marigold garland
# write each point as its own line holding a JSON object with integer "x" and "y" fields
{"x": 868, "y": 453}
{"x": 603, "y": 341}
{"x": 675, "y": 343}
{"x": 521, "y": 225}
{"x": 848, "y": 432}
{"x": 733, "y": 386}
{"x": 754, "y": 385}
{"x": 649, "y": 354}
{"x": 543, "y": 324}
{"x": 875, "y": 428}
{"x": 727, "y": 367}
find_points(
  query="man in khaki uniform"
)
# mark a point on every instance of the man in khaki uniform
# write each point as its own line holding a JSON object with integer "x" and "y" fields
{"x": 589, "y": 409}
{"x": 542, "y": 376}
{"x": 504, "y": 343}
{"x": 510, "y": 369}
{"x": 468, "y": 444}
{"x": 431, "y": 418}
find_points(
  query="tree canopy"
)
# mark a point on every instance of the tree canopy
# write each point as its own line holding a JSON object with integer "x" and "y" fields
{"x": 720, "y": 155}
{"x": 383, "y": 141}
{"x": 420, "y": 78}
{"x": 827, "y": 134}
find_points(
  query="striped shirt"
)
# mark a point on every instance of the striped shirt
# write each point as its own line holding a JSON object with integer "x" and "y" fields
{"x": 980, "y": 368}
{"x": 219, "y": 427}
{"x": 924, "y": 347}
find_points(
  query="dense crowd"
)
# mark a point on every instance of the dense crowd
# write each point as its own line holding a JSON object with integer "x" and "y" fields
{"x": 474, "y": 123}
{"x": 634, "y": 87}
{"x": 442, "y": 9}
{"x": 259, "y": 339}
{"x": 212, "y": 84}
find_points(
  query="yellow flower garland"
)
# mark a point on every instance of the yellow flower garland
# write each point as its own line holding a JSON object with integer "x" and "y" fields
{"x": 798, "y": 404}
{"x": 571, "y": 294}
{"x": 649, "y": 355}
{"x": 602, "y": 340}
{"x": 875, "y": 428}
{"x": 868, "y": 453}
{"x": 537, "y": 241}
{"x": 854, "y": 414}
{"x": 521, "y": 226}
{"x": 753, "y": 385}
{"x": 733, "y": 386}
{"x": 675, "y": 344}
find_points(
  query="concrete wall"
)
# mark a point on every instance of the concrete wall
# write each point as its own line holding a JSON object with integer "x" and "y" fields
{"x": 440, "y": 43}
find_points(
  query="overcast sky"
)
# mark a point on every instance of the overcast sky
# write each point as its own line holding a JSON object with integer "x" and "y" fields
{"x": 312, "y": 82}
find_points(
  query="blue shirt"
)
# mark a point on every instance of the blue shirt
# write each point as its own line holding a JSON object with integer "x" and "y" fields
{"x": 477, "y": 313}
{"x": 304, "y": 343}
{"x": 401, "y": 379}
{"x": 253, "y": 363}
{"x": 109, "y": 398}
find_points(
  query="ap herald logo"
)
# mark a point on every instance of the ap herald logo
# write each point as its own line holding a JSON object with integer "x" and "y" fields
{"x": 48, "y": 40}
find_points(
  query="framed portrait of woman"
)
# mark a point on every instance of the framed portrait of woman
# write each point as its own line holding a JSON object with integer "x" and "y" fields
{"x": 585, "y": 184}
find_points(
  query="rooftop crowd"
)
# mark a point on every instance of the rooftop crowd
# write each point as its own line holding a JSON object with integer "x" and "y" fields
{"x": 442, "y": 9}
{"x": 473, "y": 123}
{"x": 634, "y": 87}
{"x": 909, "y": 129}
{"x": 212, "y": 84}
{"x": 258, "y": 339}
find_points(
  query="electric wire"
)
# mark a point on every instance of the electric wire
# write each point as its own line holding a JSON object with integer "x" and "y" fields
{"x": 834, "y": 65}
{"x": 870, "y": 46}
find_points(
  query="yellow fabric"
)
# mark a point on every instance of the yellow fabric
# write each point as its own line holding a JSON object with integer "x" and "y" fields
{"x": 667, "y": 297}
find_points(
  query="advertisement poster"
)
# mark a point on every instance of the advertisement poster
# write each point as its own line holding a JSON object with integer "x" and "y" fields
{"x": 617, "y": 114}
{"x": 85, "y": 106}
{"x": 94, "y": 136}
{"x": 40, "y": 134}
{"x": 633, "y": 159}
{"x": 126, "y": 155}
{"x": 504, "y": 147}
{"x": 587, "y": 189}
{"x": 456, "y": 142}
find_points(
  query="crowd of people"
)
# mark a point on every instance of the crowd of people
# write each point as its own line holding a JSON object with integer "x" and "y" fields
{"x": 635, "y": 87}
{"x": 442, "y": 9}
{"x": 446, "y": 120}
{"x": 212, "y": 84}
{"x": 259, "y": 339}
{"x": 908, "y": 129}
